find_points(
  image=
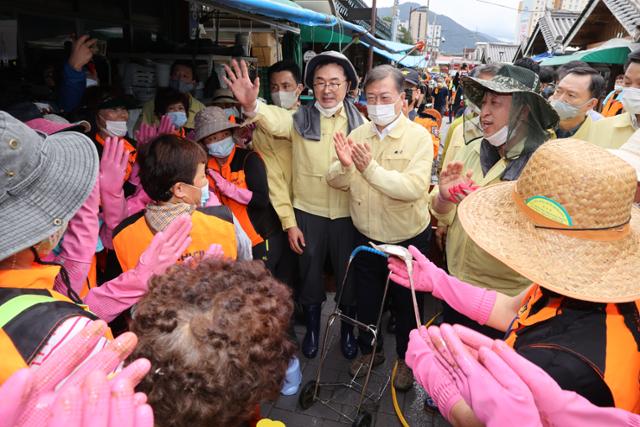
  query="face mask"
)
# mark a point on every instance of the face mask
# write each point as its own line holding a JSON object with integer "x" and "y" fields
{"x": 222, "y": 148}
{"x": 631, "y": 100}
{"x": 180, "y": 86}
{"x": 91, "y": 82}
{"x": 498, "y": 138}
{"x": 328, "y": 112}
{"x": 567, "y": 111}
{"x": 382, "y": 115}
{"x": 178, "y": 118}
{"x": 618, "y": 88}
{"x": 284, "y": 99}
{"x": 204, "y": 194}
{"x": 116, "y": 128}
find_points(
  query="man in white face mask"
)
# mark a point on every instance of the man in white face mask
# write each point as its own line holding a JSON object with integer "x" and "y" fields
{"x": 385, "y": 166}
{"x": 576, "y": 94}
{"x": 514, "y": 119}
{"x": 612, "y": 132}
{"x": 322, "y": 228}
{"x": 285, "y": 83}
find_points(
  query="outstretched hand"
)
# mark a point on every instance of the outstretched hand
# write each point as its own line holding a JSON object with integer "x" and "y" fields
{"x": 239, "y": 82}
{"x": 455, "y": 184}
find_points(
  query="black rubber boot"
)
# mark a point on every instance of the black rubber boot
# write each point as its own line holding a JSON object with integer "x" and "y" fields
{"x": 348, "y": 342}
{"x": 312, "y": 315}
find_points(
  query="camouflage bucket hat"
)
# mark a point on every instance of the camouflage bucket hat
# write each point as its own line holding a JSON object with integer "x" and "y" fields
{"x": 512, "y": 79}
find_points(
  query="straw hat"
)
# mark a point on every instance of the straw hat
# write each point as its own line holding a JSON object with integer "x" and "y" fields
{"x": 568, "y": 222}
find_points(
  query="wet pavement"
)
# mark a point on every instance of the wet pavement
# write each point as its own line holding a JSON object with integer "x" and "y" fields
{"x": 335, "y": 369}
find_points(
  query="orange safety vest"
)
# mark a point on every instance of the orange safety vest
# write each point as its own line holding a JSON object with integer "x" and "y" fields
{"x": 613, "y": 107}
{"x": 238, "y": 179}
{"x": 209, "y": 225}
{"x": 609, "y": 342}
{"x": 132, "y": 154}
{"x": 30, "y": 311}
{"x": 432, "y": 126}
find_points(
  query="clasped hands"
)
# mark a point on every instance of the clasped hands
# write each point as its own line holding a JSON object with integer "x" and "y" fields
{"x": 349, "y": 153}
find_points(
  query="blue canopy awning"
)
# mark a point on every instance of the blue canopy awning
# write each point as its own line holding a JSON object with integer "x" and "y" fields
{"x": 408, "y": 61}
{"x": 287, "y": 10}
{"x": 282, "y": 9}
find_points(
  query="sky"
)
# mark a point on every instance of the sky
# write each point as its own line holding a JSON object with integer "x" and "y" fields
{"x": 476, "y": 16}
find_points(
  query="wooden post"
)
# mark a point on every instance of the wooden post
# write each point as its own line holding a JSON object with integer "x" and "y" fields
{"x": 373, "y": 33}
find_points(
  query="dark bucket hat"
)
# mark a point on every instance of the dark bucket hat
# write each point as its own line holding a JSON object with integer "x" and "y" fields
{"x": 512, "y": 79}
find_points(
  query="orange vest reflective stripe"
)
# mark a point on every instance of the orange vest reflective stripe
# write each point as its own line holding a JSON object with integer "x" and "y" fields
{"x": 621, "y": 356}
{"x": 132, "y": 154}
{"x": 28, "y": 303}
{"x": 239, "y": 180}
{"x": 209, "y": 225}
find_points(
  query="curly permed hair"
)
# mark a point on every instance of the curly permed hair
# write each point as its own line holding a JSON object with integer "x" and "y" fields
{"x": 216, "y": 336}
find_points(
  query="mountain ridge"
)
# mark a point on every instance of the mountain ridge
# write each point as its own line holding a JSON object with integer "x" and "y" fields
{"x": 457, "y": 37}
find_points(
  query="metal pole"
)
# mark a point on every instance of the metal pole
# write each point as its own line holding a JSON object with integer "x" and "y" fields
{"x": 373, "y": 33}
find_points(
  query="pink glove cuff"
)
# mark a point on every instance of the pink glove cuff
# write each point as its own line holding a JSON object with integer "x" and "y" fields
{"x": 474, "y": 302}
{"x": 446, "y": 395}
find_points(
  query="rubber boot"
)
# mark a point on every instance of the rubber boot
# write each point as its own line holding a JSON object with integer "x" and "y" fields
{"x": 348, "y": 342}
{"x": 312, "y": 337}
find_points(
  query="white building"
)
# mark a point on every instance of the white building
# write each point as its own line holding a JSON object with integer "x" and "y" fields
{"x": 418, "y": 23}
{"x": 530, "y": 12}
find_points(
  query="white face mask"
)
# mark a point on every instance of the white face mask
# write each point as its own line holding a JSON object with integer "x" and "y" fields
{"x": 284, "y": 99}
{"x": 498, "y": 138}
{"x": 618, "y": 88}
{"x": 631, "y": 100}
{"x": 382, "y": 114}
{"x": 328, "y": 112}
{"x": 116, "y": 128}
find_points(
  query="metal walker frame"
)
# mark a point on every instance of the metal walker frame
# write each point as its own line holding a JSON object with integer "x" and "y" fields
{"x": 310, "y": 392}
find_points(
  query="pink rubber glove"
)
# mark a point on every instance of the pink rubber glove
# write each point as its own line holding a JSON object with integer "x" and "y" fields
{"x": 558, "y": 407}
{"x": 496, "y": 395}
{"x": 101, "y": 401}
{"x": 430, "y": 373}
{"x": 240, "y": 195}
{"x": 148, "y": 132}
{"x": 115, "y": 296}
{"x": 213, "y": 200}
{"x": 113, "y": 168}
{"x": 79, "y": 244}
{"x": 69, "y": 363}
{"x": 475, "y": 303}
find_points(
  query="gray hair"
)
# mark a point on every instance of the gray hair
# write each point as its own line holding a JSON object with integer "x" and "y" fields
{"x": 490, "y": 69}
{"x": 381, "y": 72}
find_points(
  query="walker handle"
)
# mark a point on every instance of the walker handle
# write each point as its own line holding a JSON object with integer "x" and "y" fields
{"x": 365, "y": 248}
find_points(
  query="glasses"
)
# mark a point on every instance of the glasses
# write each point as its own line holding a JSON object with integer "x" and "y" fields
{"x": 332, "y": 86}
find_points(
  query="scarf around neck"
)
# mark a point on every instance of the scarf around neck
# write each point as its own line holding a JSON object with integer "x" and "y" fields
{"x": 307, "y": 120}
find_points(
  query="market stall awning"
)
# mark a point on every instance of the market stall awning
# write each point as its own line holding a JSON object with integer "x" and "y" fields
{"x": 281, "y": 9}
{"x": 325, "y": 35}
{"x": 611, "y": 55}
{"x": 409, "y": 61}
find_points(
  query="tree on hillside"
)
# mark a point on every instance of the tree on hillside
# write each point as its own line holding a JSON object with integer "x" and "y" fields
{"x": 405, "y": 36}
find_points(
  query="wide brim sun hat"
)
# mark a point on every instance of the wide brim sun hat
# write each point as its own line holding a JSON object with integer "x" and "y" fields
{"x": 512, "y": 79}
{"x": 329, "y": 57}
{"x": 568, "y": 223}
{"x": 43, "y": 182}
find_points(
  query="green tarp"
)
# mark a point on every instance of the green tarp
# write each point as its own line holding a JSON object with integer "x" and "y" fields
{"x": 323, "y": 35}
{"x": 612, "y": 55}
